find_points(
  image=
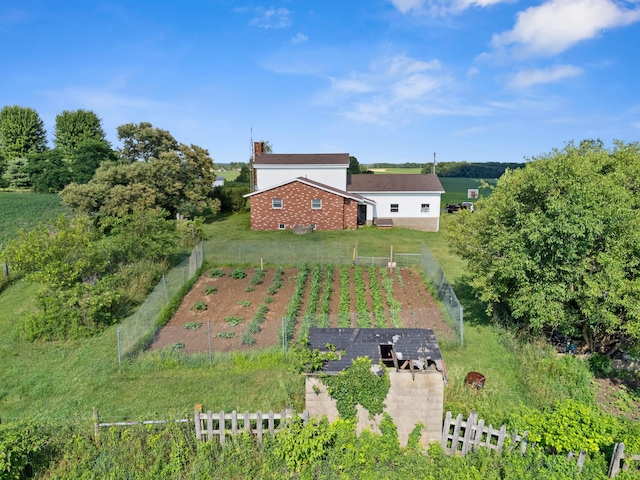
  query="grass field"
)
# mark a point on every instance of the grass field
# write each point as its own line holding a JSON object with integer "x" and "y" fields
{"x": 396, "y": 170}
{"x": 229, "y": 176}
{"x": 66, "y": 380}
{"x": 26, "y": 210}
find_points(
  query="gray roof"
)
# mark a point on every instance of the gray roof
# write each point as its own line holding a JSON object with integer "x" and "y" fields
{"x": 389, "y": 182}
{"x": 411, "y": 343}
{"x": 302, "y": 159}
{"x": 313, "y": 183}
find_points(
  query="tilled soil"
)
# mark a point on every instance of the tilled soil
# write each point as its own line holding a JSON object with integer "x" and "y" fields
{"x": 223, "y": 325}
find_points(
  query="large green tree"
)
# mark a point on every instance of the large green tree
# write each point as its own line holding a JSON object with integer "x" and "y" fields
{"x": 557, "y": 244}
{"x": 160, "y": 174}
{"x": 142, "y": 142}
{"x": 21, "y": 132}
{"x": 74, "y": 127}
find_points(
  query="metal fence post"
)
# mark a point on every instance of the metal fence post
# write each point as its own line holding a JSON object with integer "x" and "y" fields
{"x": 209, "y": 340}
{"x": 166, "y": 295}
{"x": 119, "y": 349}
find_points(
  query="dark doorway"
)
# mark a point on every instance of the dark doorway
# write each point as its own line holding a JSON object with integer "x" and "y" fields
{"x": 362, "y": 214}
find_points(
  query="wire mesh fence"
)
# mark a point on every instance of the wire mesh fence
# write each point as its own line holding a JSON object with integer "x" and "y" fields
{"x": 445, "y": 291}
{"x": 224, "y": 252}
{"x": 211, "y": 338}
{"x": 136, "y": 332}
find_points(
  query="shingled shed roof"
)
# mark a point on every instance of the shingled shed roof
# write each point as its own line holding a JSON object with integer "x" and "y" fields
{"x": 389, "y": 182}
{"x": 302, "y": 159}
{"x": 414, "y": 348}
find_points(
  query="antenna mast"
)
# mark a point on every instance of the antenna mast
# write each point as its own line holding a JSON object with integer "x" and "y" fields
{"x": 434, "y": 163}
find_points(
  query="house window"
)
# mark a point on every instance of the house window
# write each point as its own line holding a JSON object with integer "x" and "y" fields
{"x": 316, "y": 203}
{"x": 395, "y": 208}
{"x": 276, "y": 203}
{"x": 313, "y": 226}
{"x": 281, "y": 226}
{"x": 424, "y": 208}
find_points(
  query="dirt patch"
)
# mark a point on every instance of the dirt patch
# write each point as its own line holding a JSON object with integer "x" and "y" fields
{"x": 616, "y": 396}
{"x": 225, "y": 323}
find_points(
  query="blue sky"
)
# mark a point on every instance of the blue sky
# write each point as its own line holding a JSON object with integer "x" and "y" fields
{"x": 384, "y": 80}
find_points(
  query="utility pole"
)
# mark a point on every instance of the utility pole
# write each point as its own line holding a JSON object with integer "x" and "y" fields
{"x": 434, "y": 163}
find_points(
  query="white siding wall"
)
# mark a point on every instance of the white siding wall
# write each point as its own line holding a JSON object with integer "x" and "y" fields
{"x": 409, "y": 205}
{"x": 332, "y": 175}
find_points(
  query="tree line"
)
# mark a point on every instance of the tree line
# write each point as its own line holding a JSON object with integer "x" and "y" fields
{"x": 472, "y": 170}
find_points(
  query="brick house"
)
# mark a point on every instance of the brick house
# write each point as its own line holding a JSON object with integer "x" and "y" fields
{"x": 314, "y": 190}
{"x": 304, "y": 202}
{"x": 415, "y": 368}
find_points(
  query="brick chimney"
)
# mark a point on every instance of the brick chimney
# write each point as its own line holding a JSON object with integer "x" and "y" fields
{"x": 258, "y": 148}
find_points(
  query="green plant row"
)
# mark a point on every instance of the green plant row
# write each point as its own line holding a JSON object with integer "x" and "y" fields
{"x": 258, "y": 277}
{"x": 394, "y": 306}
{"x": 327, "y": 291}
{"x": 344, "y": 314}
{"x": 295, "y": 303}
{"x": 379, "y": 317}
{"x": 277, "y": 282}
{"x": 362, "y": 309}
{"x": 314, "y": 296}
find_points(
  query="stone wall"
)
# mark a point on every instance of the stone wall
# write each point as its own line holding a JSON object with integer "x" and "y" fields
{"x": 411, "y": 399}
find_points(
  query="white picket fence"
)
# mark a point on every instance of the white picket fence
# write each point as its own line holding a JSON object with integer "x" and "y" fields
{"x": 218, "y": 425}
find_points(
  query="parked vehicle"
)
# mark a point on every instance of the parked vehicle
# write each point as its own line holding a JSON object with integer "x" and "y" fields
{"x": 468, "y": 205}
{"x": 453, "y": 207}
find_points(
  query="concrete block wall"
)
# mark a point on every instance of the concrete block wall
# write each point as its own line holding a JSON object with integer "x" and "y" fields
{"x": 411, "y": 400}
{"x": 336, "y": 213}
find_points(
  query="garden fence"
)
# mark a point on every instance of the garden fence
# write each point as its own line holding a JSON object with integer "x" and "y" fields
{"x": 203, "y": 341}
{"x": 137, "y": 331}
{"x": 224, "y": 252}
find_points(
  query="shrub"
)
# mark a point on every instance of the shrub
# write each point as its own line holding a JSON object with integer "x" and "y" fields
{"x": 175, "y": 346}
{"x": 600, "y": 364}
{"x": 233, "y": 320}
{"x": 249, "y": 288}
{"x": 244, "y": 303}
{"x": 238, "y": 273}
{"x": 208, "y": 290}
{"x": 216, "y": 272}
{"x": 192, "y": 325}
{"x": 570, "y": 426}
{"x": 225, "y": 335}
{"x": 199, "y": 306}
{"x": 247, "y": 339}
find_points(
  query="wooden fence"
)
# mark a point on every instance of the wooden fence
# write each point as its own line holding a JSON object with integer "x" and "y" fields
{"x": 618, "y": 460}
{"x": 218, "y": 425}
{"x": 460, "y": 436}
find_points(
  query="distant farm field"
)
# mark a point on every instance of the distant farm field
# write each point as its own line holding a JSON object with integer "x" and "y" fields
{"x": 396, "y": 170}
{"x": 26, "y": 210}
{"x": 456, "y": 189}
{"x": 228, "y": 175}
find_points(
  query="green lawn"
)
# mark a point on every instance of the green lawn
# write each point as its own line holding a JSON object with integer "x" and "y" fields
{"x": 69, "y": 379}
{"x": 25, "y": 210}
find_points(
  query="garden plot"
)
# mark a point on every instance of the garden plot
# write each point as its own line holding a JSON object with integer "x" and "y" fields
{"x": 238, "y": 309}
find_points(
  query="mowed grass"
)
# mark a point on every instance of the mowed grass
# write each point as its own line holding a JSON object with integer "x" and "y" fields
{"x": 67, "y": 380}
{"x": 456, "y": 189}
{"x": 26, "y": 210}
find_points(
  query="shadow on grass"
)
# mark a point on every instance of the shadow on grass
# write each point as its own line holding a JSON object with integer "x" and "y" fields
{"x": 474, "y": 309}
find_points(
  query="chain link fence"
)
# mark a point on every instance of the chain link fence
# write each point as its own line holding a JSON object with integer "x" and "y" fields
{"x": 204, "y": 341}
{"x": 446, "y": 295}
{"x": 224, "y": 252}
{"x": 136, "y": 332}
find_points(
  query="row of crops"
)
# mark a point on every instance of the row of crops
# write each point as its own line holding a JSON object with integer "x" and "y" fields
{"x": 318, "y": 281}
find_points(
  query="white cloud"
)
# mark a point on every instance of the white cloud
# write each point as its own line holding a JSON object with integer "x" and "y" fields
{"x": 556, "y": 25}
{"x": 299, "y": 38}
{"x": 527, "y": 78}
{"x": 272, "y": 18}
{"x": 405, "y": 6}
{"x": 393, "y": 90}
{"x": 441, "y": 7}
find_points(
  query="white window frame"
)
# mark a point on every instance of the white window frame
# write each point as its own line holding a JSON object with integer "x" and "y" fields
{"x": 282, "y": 226}
{"x": 274, "y": 201}
{"x": 313, "y": 226}
{"x": 394, "y": 208}
{"x": 425, "y": 207}
{"x": 317, "y": 207}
